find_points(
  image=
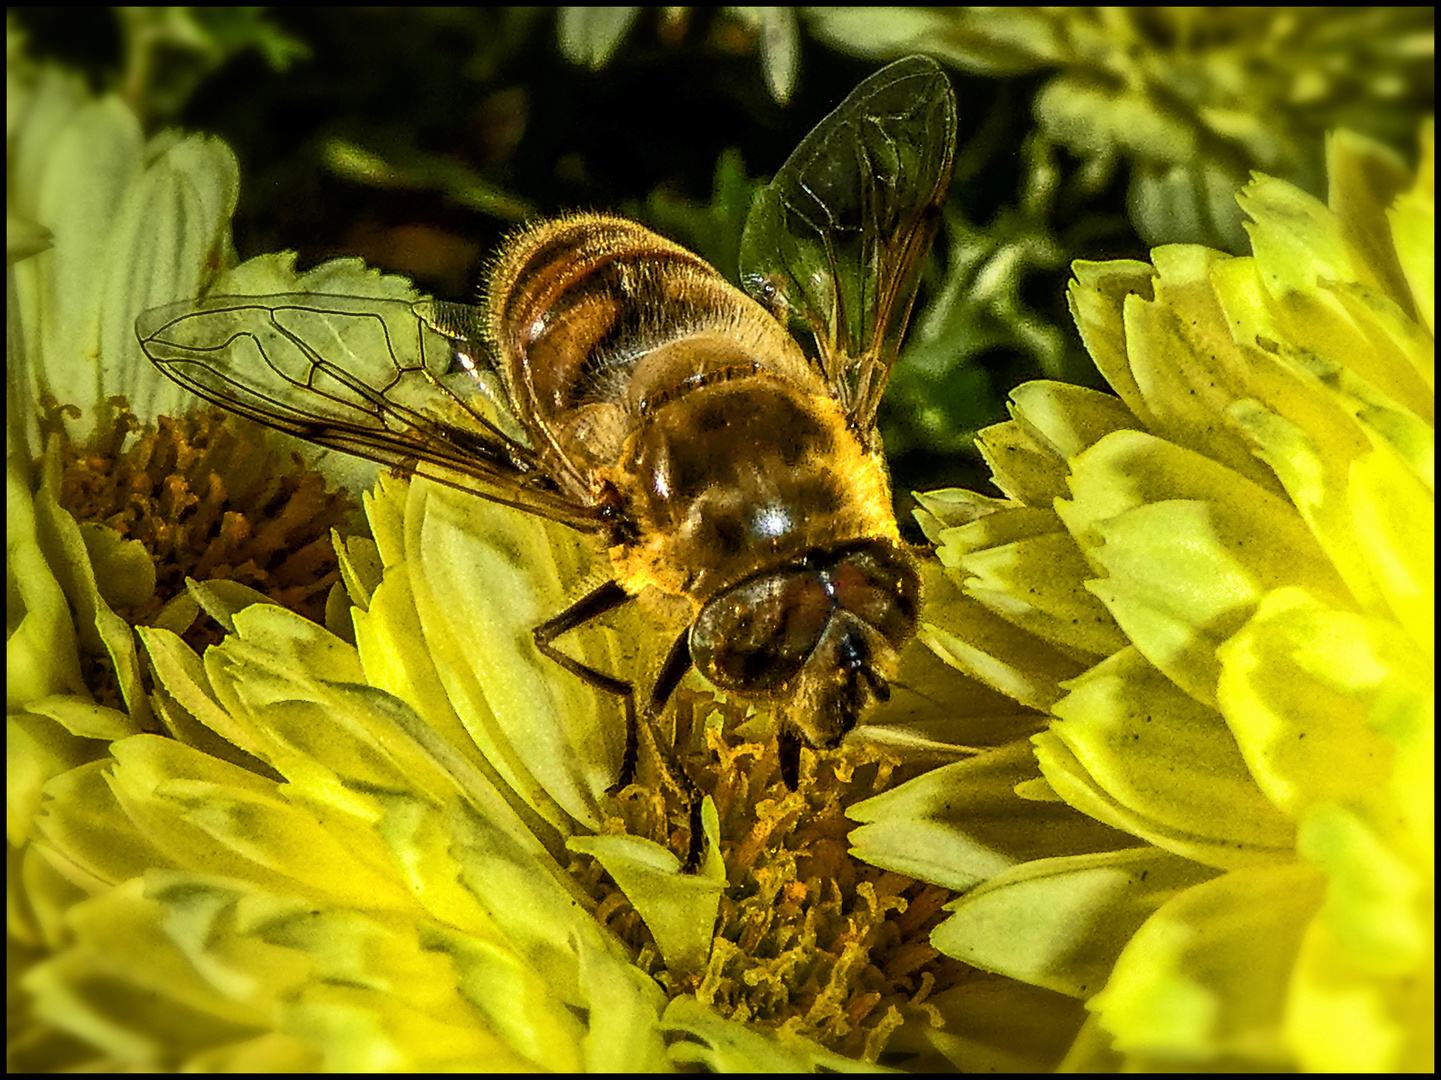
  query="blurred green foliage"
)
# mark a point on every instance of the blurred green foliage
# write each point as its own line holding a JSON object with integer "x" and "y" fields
{"x": 417, "y": 137}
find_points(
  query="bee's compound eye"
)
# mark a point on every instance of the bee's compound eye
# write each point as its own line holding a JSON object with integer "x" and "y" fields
{"x": 757, "y": 636}
{"x": 880, "y": 587}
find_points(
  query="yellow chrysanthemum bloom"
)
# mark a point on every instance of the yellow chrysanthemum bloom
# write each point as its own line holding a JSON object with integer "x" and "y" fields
{"x": 379, "y": 838}
{"x": 1220, "y": 584}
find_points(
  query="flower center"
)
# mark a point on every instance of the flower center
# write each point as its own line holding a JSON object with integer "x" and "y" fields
{"x": 208, "y": 497}
{"x": 808, "y": 939}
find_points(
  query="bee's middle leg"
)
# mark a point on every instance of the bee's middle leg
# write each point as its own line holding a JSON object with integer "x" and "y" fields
{"x": 591, "y": 606}
{"x": 606, "y": 598}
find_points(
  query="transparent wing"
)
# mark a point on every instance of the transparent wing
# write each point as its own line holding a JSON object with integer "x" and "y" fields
{"x": 389, "y": 380}
{"x": 837, "y": 241}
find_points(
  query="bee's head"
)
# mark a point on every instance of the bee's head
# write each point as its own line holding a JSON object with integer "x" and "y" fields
{"x": 822, "y": 635}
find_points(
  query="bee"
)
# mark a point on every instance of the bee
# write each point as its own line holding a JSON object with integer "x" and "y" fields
{"x": 720, "y": 444}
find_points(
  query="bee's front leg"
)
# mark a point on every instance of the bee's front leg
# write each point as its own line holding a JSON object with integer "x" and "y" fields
{"x": 677, "y": 663}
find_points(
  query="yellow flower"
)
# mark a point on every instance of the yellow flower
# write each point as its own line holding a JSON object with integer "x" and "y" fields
{"x": 1220, "y": 584}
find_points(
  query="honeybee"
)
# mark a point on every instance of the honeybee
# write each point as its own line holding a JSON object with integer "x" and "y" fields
{"x": 721, "y": 446}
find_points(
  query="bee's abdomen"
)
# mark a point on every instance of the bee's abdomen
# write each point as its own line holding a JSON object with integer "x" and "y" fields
{"x": 583, "y": 298}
